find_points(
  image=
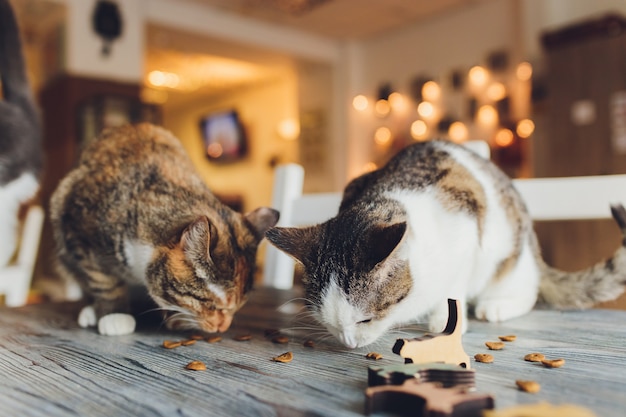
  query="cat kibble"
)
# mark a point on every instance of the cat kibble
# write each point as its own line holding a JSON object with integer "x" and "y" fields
{"x": 196, "y": 337}
{"x": 508, "y": 338}
{"x": 553, "y": 363}
{"x": 495, "y": 345}
{"x": 309, "y": 343}
{"x": 243, "y": 337}
{"x": 280, "y": 339}
{"x": 528, "y": 386}
{"x": 374, "y": 356}
{"x": 171, "y": 344}
{"x": 214, "y": 339}
{"x": 188, "y": 342}
{"x": 534, "y": 357}
{"x": 196, "y": 366}
{"x": 483, "y": 357}
{"x": 284, "y": 358}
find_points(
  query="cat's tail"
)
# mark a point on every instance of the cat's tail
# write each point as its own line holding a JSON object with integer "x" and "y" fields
{"x": 12, "y": 67}
{"x": 604, "y": 281}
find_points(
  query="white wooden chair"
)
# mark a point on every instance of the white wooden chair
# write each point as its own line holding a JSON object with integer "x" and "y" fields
{"x": 566, "y": 198}
{"x": 16, "y": 277}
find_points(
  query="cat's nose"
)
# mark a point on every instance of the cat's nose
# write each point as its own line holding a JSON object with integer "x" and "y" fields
{"x": 349, "y": 340}
{"x": 224, "y": 324}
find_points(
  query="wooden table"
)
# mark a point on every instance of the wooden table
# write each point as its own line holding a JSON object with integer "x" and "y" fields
{"x": 51, "y": 367}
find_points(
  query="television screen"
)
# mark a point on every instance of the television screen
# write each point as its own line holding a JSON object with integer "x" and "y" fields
{"x": 224, "y": 136}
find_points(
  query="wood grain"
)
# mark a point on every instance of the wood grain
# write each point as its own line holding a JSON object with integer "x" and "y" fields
{"x": 50, "y": 367}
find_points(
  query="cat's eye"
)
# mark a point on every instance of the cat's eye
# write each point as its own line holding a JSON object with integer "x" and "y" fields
{"x": 364, "y": 321}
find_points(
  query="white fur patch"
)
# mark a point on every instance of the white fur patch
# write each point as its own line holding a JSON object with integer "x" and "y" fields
{"x": 116, "y": 324}
{"x": 12, "y": 195}
{"x": 138, "y": 256}
{"x": 342, "y": 318}
{"x": 19, "y": 190}
{"x": 214, "y": 288}
{"x": 217, "y": 290}
{"x": 87, "y": 317}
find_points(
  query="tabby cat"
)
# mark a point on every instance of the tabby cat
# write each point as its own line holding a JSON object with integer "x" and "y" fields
{"x": 20, "y": 133}
{"x": 136, "y": 211}
{"x": 436, "y": 222}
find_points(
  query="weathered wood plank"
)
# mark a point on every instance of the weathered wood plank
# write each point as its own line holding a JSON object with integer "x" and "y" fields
{"x": 51, "y": 367}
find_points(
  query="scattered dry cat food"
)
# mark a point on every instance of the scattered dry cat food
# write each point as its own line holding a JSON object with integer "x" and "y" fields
{"x": 374, "y": 355}
{"x": 284, "y": 358}
{"x": 196, "y": 337}
{"x": 534, "y": 357}
{"x": 196, "y": 366}
{"x": 243, "y": 337}
{"x": 309, "y": 343}
{"x": 188, "y": 342}
{"x": 508, "y": 338}
{"x": 483, "y": 357}
{"x": 171, "y": 344}
{"x": 528, "y": 386}
{"x": 280, "y": 339}
{"x": 214, "y": 339}
{"x": 553, "y": 363}
{"x": 495, "y": 345}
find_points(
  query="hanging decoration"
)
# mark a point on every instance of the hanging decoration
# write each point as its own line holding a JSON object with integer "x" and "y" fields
{"x": 107, "y": 23}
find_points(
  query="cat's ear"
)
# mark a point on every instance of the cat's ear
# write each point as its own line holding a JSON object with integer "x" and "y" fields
{"x": 294, "y": 241}
{"x": 261, "y": 219}
{"x": 382, "y": 241}
{"x": 199, "y": 238}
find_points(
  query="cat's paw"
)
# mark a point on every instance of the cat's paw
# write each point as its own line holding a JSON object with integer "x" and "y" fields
{"x": 116, "y": 324}
{"x": 87, "y": 317}
{"x": 439, "y": 317}
{"x": 497, "y": 310}
{"x": 437, "y": 321}
{"x": 489, "y": 311}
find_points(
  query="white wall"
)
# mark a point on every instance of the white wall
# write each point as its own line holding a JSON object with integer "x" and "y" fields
{"x": 456, "y": 40}
{"x": 547, "y": 15}
{"x": 252, "y": 177}
{"x": 433, "y": 48}
{"x": 84, "y": 48}
{"x": 460, "y": 39}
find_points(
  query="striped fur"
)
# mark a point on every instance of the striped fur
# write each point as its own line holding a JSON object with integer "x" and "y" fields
{"x": 135, "y": 211}
{"x": 436, "y": 222}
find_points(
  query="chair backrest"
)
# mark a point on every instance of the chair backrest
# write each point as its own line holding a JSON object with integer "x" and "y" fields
{"x": 565, "y": 198}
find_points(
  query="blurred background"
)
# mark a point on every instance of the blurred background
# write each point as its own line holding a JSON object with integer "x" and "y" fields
{"x": 338, "y": 86}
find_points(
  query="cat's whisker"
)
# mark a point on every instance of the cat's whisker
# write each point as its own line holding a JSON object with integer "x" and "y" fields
{"x": 182, "y": 318}
{"x": 166, "y": 309}
{"x": 305, "y": 328}
{"x": 323, "y": 338}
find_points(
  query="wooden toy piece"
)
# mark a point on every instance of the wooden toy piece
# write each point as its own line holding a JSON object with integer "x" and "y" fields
{"x": 426, "y": 400}
{"x": 446, "y": 374}
{"x": 541, "y": 410}
{"x": 444, "y": 347}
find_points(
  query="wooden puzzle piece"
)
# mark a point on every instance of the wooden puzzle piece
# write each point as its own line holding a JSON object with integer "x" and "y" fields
{"x": 447, "y": 375}
{"x": 445, "y": 347}
{"x": 541, "y": 410}
{"x": 426, "y": 400}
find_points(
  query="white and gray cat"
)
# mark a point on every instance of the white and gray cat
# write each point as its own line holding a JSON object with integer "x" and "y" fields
{"x": 20, "y": 133}
{"x": 436, "y": 222}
